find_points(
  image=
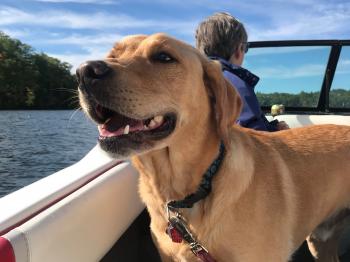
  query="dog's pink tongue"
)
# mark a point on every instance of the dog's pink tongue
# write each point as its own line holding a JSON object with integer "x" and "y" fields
{"x": 109, "y": 130}
{"x": 104, "y": 132}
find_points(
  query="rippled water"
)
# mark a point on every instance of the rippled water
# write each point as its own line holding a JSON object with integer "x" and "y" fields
{"x": 34, "y": 144}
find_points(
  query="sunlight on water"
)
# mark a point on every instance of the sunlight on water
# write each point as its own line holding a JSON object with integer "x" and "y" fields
{"x": 34, "y": 144}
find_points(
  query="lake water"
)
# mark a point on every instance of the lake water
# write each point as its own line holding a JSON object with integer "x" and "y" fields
{"x": 34, "y": 144}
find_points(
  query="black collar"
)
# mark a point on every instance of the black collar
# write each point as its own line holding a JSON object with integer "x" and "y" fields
{"x": 178, "y": 229}
{"x": 205, "y": 186}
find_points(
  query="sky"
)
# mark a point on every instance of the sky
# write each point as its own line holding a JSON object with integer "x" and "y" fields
{"x": 78, "y": 30}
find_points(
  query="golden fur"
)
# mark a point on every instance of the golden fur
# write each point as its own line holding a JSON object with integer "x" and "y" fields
{"x": 272, "y": 189}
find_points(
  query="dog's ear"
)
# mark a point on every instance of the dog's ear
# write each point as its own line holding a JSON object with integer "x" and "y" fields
{"x": 226, "y": 101}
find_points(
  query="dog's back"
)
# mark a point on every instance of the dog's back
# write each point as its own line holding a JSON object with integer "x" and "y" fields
{"x": 313, "y": 165}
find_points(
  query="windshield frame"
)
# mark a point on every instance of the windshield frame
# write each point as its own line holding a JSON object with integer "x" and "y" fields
{"x": 333, "y": 59}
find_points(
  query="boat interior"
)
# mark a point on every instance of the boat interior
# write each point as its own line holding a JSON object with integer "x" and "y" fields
{"x": 91, "y": 210}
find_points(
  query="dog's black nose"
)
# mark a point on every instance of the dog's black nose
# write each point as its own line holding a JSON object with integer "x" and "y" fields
{"x": 90, "y": 71}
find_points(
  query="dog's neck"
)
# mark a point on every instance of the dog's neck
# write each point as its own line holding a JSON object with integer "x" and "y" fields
{"x": 170, "y": 181}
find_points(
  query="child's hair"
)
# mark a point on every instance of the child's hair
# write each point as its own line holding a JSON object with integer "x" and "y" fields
{"x": 220, "y": 35}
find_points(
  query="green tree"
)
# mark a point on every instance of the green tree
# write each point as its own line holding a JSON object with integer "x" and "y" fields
{"x": 56, "y": 84}
{"x": 338, "y": 98}
{"x": 17, "y": 72}
{"x": 32, "y": 80}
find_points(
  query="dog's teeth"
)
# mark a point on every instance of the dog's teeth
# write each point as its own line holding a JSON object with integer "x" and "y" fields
{"x": 158, "y": 119}
{"x": 145, "y": 127}
{"x": 126, "y": 130}
{"x": 109, "y": 119}
{"x": 152, "y": 124}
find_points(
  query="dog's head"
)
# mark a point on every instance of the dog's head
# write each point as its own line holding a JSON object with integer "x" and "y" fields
{"x": 152, "y": 90}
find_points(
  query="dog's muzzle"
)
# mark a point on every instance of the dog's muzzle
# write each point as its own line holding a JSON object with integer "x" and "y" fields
{"x": 90, "y": 72}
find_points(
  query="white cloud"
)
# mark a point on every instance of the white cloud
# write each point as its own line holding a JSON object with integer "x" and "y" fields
{"x": 97, "y": 2}
{"x": 98, "y": 20}
{"x": 277, "y": 19}
{"x": 343, "y": 67}
{"x": 283, "y": 72}
{"x": 284, "y": 50}
{"x": 84, "y": 40}
{"x": 67, "y": 19}
{"x": 77, "y": 59}
{"x": 283, "y": 20}
{"x": 345, "y": 62}
{"x": 319, "y": 20}
{"x": 95, "y": 47}
{"x": 16, "y": 33}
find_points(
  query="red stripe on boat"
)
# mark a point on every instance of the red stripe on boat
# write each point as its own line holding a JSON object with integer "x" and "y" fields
{"x": 6, "y": 251}
{"x": 35, "y": 213}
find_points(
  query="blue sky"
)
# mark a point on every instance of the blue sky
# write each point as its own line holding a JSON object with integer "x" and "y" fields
{"x": 77, "y": 30}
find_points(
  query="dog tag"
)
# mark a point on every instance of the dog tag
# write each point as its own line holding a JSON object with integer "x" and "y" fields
{"x": 204, "y": 256}
{"x": 174, "y": 234}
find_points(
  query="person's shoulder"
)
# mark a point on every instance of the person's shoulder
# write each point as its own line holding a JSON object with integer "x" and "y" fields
{"x": 245, "y": 75}
{"x": 236, "y": 74}
{"x": 233, "y": 78}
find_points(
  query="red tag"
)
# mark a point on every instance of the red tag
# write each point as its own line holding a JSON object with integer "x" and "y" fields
{"x": 205, "y": 256}
{"x": 174, "y": 234}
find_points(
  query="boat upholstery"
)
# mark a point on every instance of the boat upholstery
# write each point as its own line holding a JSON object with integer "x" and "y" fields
{"x": 306, "y": 120}
{"x": 81, "y": 227}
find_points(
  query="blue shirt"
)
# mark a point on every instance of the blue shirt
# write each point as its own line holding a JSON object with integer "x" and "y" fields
{"x": 244, "y": 82}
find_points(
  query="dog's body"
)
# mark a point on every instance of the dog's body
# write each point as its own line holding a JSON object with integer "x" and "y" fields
{"x": 272, "y": 189}
{"x": 271, "y": 192}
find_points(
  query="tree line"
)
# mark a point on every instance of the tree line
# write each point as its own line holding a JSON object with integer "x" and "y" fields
{"x": 31, "y": 80}
{"x": 338, "y": 98}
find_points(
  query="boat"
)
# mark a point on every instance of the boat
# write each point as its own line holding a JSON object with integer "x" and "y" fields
{"x": 91, "y": 211}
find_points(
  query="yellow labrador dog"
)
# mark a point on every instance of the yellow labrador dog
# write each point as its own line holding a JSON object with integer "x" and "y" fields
{"x": 161, "y": 102}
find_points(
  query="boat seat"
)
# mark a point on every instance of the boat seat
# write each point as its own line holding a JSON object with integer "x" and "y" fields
{"x": 83, "y": 226}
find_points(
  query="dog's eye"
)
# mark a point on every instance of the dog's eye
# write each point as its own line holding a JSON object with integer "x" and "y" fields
{"x": 163, "y": 57}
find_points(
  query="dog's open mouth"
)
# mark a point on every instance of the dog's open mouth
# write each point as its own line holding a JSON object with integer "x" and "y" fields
{"x": 118, "y": 126}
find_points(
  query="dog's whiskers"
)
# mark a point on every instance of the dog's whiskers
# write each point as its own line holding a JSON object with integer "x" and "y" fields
{"x": 74, "y": 113}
